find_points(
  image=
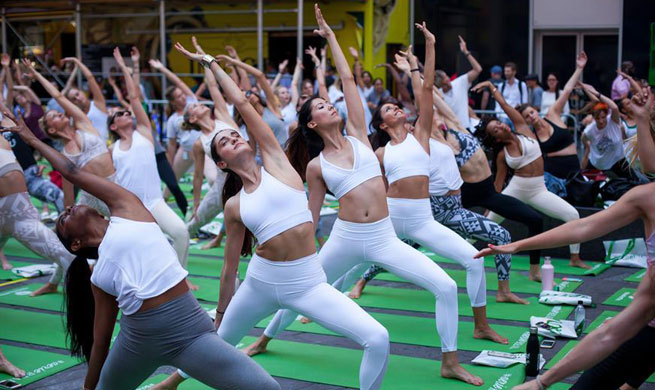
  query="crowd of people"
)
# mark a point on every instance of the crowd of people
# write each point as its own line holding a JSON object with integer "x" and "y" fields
{"x": 405, "y": 166}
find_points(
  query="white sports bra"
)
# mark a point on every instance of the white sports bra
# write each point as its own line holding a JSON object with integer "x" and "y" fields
{"x": 341, "y": 181}
{"x": 92, "y": 147}
{"x": 8, "y": 162}
{"x": 405, "y": 159}
{"x": 273, "y": 208}
{"x": 530, "y": 151}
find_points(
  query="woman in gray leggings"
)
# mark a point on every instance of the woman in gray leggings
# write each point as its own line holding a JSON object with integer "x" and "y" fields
{"x": 137, "y": 272}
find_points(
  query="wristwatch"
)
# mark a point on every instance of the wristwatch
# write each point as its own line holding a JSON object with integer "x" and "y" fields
{"x": 207, "y": 60}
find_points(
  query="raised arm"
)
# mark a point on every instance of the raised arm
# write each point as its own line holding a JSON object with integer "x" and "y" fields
{"x": 94, "y": 88}
{"x": 280, "y": 71}
{"x": 447, "y": 113}
{"x": 70, "y": 81}
{"x": 135, "y": 56}
{"x": 120, "y": 201}
{"x": 319, "y": 66}
{"x": 79, "y": 117}
{"x": 297, "y": 73}
{"x": 403, "y": 92}
{"x": 357, "y": 68}
{"x": 555, "y": 111}
{"x": 117, "y": 92}
{"x": 477, "y": 68}
{"x": 172, "y": 77}
{"x": 356, "y": 123}
{"x": 143, "y": 125}
{"x": 30, "y": 94}
{"x": 272, "y": 101}
{"x": 610, "y": 103}
{"x": 426, "y": 106}
{"x": 5, "y": 61}
{"x": 634, "y": 86}
{"x": 641, "y": 102}
{"x": 520, "y": 124}
{"x": 244, "y": 80}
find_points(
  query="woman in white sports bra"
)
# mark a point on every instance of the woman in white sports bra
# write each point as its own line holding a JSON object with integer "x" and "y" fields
{"x": 133, "y": 155}
{"x": 521, "y": 152}
{"x": 82, "y": 143}
{"x": 363, "y": 232}
{"x": 285, "y": 271}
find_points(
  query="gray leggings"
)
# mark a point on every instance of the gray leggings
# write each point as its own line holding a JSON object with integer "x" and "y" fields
{"x": 19, "y": 219}
{"x": 178, "y": 333}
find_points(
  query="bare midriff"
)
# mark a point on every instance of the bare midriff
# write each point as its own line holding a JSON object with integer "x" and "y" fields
{"x": 11, "y": 183}
{"x": 292, "y": 244}
{"x": 365, "y": 203}
{"x": 413, "y": 187}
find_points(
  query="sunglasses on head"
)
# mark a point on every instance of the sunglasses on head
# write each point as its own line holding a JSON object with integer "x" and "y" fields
{"x": 248, "y": 93}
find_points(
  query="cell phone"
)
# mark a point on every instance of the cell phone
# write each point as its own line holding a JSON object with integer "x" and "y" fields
{"x": 9, "y": 384}
{"x": 547, "y": 343}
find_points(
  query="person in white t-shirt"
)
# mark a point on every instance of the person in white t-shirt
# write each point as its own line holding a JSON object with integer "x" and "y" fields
{"x": 456, "y": 92}
{"x": 514, "y": 91}
{"x": 603, "y": 138}
{"x": 96, "y": 108}
{"x": 288, "y": 97}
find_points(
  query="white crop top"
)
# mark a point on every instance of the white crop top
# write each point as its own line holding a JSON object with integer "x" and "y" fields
{"x": 405, "y": 159}
{"x": 341, "y": 181}
{"x": 135, "y": 263}
{"x": 273, "y": 208}
{"x": 136, "y": 169}
{"x": 444, "y": 174}
{"x": 530, "y": 151}
{"x": 92, "y": 147}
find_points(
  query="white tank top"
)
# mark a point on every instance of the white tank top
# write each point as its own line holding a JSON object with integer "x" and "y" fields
{"x": 530, "y": 151}
{"x": 405, "y": 159}
{"x": 444, "y": 174}
{"x": 92, "y": 147}
{"x": 136, "y": 169}
{"x": 273, "y": 208}
{"x": 340, "y": 180}
{"x": 98, "y": 120}
{"x": 135, "y": 263}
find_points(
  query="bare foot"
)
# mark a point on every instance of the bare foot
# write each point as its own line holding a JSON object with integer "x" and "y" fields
{"x": 458, "y": 372}
{"x": 214, "y": 243}
{"x": 47, "y": 288}
{"x": 510, "y": 297}
{"x": 535, "y": 276}
{"x": 8, "y": 368}
{"x": 305, "y": 320}
{"x": 489, "y": 334}
{"x": 191, "y": 286}
{"x": 577, "y": 262}
{"x": 255, "y": 348}
{"x": 6, "y": 265}
{"x": 358, "y": 288}
{"x": 169, "y": 383}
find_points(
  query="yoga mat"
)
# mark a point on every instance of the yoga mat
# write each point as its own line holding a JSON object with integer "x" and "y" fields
{"x": 519, "y": 283}
{"x": 194, "y": 249}
{"x": 562, "y": 353}
{"x": 623, "y": 297}
{"x": 340, "y": 367}
{"x": 519, "y": 263}
{"x": 190, "y": 384}
{"x": 636, "y": 277}
{"x": 37, "y": 364}
{"x": 8, "y": 275}
{"x": 208, "y": 266}
{"x": 35, "y": 328}
{"x": 422, "y": 331}
{"x": 604, "y": 316}
{"x": 20, "y": 296}
{"x": 423, "y": 301}
{"x": 16, "y": 249}
{"x": 207, "y": 288}
{"x": 560, "y": 386}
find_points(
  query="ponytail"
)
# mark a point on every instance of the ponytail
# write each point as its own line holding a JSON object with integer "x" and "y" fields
{"x": 80, "y": 308}
{"x": 231, "y": 188}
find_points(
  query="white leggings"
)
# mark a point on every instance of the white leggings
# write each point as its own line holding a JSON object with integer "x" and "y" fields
{"x": 211, "y": 204}
{"x": 355, "y": 245}
{"x": 412, "y": 219}
{"x": 173, "y": 226}
{"x": 300, "y": 286}
{"x": 532, "y": 191}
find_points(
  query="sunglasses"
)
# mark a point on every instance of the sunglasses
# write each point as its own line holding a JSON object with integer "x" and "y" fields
{"x": 119, "y": 114}
{"x": 248, "y": 93}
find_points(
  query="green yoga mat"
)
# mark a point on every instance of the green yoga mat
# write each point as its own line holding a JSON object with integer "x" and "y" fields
{"x": 6, "y": 275}
{"x": 604, "y": 316}
{"x": 207, "y": 288}
{"x": 194, "y": 249}
{"x": 422, "y": 331}
{"x": 33, "y": 328}
{"x": 623, "y": 297}
{"x": 15, "y": 248}
{"x": 190, "y": 384}
{"x": 340, "y": 367}
{"x": 519, "y": 283}
{"x": 208, "y": 266}
{"x": 423, "y": 301}
{"x": 20, "y": 296}
{"x": 37, "y": 364}
{"x": 636, "y": 277}
{"x": 519, "y": 263}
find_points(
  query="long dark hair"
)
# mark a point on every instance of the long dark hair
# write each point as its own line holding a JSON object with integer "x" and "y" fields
{"x": 304, "y": 143}
{"x": 80, "y": 304}
{"x": 232, "y": 187}
{"x": 379, "y": 138}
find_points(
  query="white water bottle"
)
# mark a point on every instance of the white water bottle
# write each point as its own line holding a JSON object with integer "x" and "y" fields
{"x": 579, "y": 318}
{"x": 547, "y": 275}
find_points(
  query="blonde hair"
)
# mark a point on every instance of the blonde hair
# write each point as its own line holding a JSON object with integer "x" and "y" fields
{"x": 186, "y": 124}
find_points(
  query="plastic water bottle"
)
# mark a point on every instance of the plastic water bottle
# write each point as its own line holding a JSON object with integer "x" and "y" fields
{"x": 579, "y": 318}
{"x": 547, "y": 275}
{"x": 532, "y": 353}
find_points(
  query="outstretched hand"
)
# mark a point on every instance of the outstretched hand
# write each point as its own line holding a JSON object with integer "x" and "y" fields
{"x": 482, "y": 85}
{"x": 28, "y": 64}
{"x": 324, "y": 30}
{"x": 156, "y": 64}
{"x": 5, "y": 60}
{"x": 192, "y": 56}
{"x": 462, "y": 44}
{"x": 135, "y": 56}
{"x": 401, "y": 63}
{"x": 226, "y": 59}
{"x": 354, "y": 53}
{"x": 232, "y": 52}
{"x": 642, "y": 104}
{"x": 429, "y": 37}
{"x": 506, "y": 249}
{"x": 195, "y": 43}
{"x": 311, "y": 51}
{"x": 118, "y": 57}
{"x": 581, "y": 61}
{"x": 15, "y": 125}
{"x": 283, "y": 66}
{"x": 409, "y": 55}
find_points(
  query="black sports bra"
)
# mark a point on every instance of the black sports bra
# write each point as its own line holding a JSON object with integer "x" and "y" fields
{"x": 560, "y": 139}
